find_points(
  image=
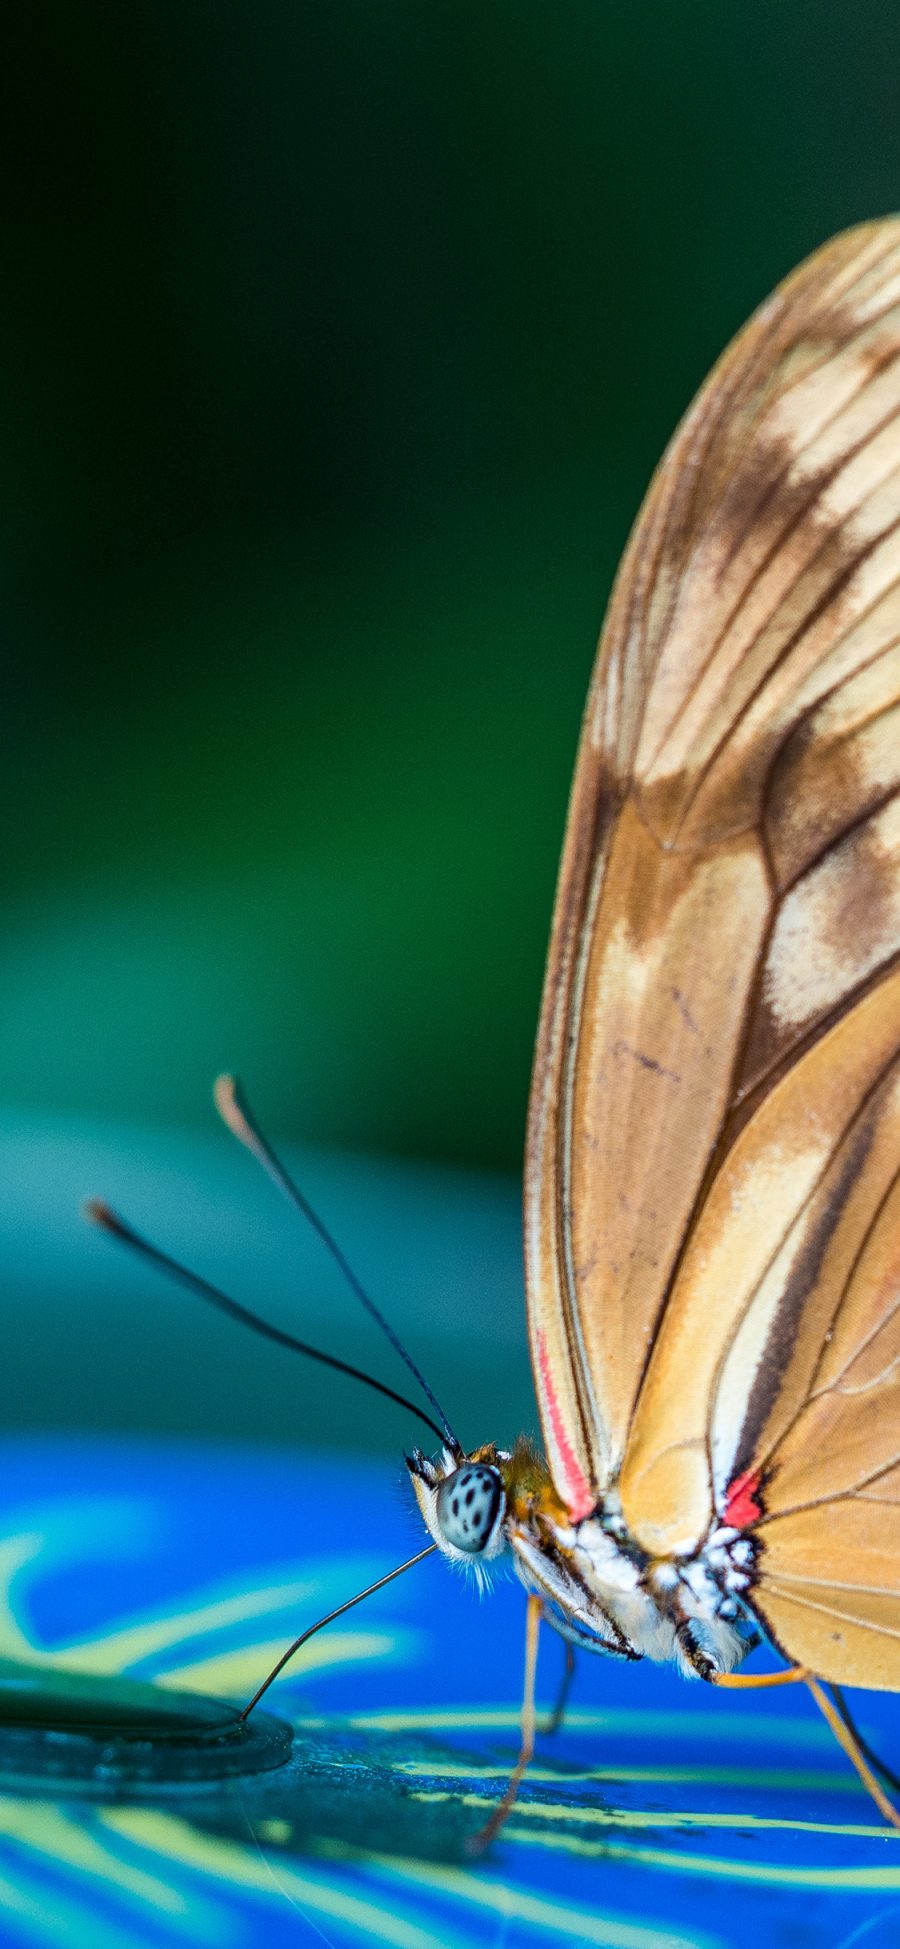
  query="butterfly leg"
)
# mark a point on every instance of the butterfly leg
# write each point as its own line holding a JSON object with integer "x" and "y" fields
{"x": 836, "y": 1716}
{"x": 890, "y": 1778}
{"x": 562, "y": 1698}
{"x": 846, "y": 1738}
{"x": 489, "y": 1832}
{"x": 752, "y": 1681}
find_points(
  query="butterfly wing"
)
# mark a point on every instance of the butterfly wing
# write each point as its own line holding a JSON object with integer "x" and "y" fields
{"x": 823, "y": 1454}
{"x": 719, "y": 1013}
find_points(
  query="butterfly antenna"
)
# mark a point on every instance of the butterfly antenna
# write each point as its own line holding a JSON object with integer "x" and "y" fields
{"x": 235, "y": 1112}
{"x": 320, "y": 1626}
{"x": 100, "y": 1214}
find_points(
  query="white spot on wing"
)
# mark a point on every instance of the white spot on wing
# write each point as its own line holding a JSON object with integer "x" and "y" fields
{"x": 814, "y": 958}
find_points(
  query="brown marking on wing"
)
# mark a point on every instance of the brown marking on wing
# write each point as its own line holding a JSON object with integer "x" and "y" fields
{"x": 837, "y": 930}
{"x": 837, "y": 767}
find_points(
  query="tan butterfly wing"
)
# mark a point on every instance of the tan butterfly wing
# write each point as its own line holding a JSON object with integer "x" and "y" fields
{"x": 713, "y": 1132}
{"x": 828, "y": 1469}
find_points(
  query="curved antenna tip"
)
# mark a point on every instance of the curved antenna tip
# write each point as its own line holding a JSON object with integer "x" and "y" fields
{"x": 225, "y": 1091}
{"x": 98, "y": 1212}
{"x": 233, "y": 1112}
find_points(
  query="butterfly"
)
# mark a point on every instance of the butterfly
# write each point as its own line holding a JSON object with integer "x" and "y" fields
{"x": 712, "y": 1177}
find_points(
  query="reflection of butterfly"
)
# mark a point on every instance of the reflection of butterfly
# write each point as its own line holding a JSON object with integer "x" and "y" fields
{"x": 712, "y": 1200}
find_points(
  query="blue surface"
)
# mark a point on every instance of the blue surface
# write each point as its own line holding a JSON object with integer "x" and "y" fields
{"x": 662, "y": 1815}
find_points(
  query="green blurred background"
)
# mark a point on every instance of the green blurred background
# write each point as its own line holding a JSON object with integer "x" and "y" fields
{"x": 339, "y": 344}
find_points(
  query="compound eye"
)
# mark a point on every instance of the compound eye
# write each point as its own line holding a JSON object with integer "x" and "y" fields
{"x": 467, "y": 1506}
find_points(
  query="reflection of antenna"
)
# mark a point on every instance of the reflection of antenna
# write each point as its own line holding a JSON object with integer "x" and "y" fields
{"x": 108, "y": 1221}
{"x": 313, "y": 1628}
{"x": 234, "y": 1111}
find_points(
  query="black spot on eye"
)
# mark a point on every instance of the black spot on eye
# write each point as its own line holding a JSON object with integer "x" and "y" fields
{"x": 478, "y": 1519}
{"x": 464, "y": 1479}
{"x": 455, "y": 1505}
{"x": 466, "y": 1525}
{"x": 470, "y": 1497}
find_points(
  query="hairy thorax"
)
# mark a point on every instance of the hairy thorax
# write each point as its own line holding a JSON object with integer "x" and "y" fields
{"x": 597, "y": 1586}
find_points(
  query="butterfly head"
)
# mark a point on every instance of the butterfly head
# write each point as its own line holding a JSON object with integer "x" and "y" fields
{"x": 462, "y": 1501}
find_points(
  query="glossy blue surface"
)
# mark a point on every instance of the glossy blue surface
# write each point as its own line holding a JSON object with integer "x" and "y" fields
{"x": 661, "y": 1815}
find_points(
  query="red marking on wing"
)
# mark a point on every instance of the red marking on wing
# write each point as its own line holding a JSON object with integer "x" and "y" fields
{"x": 575, "y": 1488}
{"x": 742, "y": 1508}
